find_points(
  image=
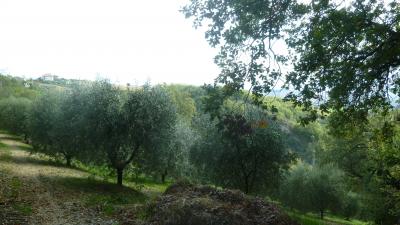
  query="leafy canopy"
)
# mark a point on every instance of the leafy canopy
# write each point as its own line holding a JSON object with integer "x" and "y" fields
{"x": 343, "y": 55}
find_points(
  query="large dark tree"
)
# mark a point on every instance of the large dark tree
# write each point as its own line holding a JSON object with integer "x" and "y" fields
{"x": 344, "y": 55}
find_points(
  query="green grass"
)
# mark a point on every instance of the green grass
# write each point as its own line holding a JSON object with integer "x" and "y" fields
{"x": 104, "y": 175}
{"x": 149, "y": 184}
{"x": 141, "y": 183}
{"x": 109, "y": 202}
{"x": 313, "y": 219}
{"x": 24, "y": 208}
{"x": 14, "y": 190}
{"x": 103, "y": 195}
{"x": 5, "y": 154}
{"x": 13, "y": 193}
{"x": 101, "y": 171}
{"x": 2, "y": 145}
{"x": 16, "y": 183}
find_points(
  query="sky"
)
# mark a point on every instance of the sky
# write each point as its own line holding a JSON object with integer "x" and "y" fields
{"x": 122, "y": 40}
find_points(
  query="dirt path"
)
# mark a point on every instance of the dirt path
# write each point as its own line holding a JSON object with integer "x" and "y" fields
{"x": 47, "y": 204}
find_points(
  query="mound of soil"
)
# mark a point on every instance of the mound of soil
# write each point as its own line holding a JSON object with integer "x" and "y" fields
{"x": 186, "y": 204}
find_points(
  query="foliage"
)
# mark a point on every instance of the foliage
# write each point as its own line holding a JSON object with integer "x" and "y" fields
{"x": 174, "y": 132}
{"x": 294, "y": 187}
{"x": 369, "y": 157}
{"x": 17, "y": 87}
{"x": 58, "y": 111}
{"x": 69, "y": 122}
{"x": 243, "y": 151}
{"x": 42, "y": 121}
{"x": 185, "y": 104}
{"x": 304, "y": 141}
{"x": 315, "y": 189}
{"x": 182, "y": 93}
{"x": 345, "y": 55}
{"x": 101, "y": 124}
{"x": 350, "y": 205}
{"x": 171, "y": 158}
{"x": 14, "y": 115}
{"x": 121, "y": 125}
{"x": 300, "y": 140}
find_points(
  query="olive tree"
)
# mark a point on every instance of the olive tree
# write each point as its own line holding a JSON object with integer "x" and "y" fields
{"x": 350, "y": 205}
{"x": 316, "y": 189}
{"x": 293, "y": 189}
{"x": 120, "y": 125}
{"x": 42, "y": 120}
{"x": 241, "y": 150}
{"x": 171, "y": 156}
{"x": 14, "y": 115}
{"x": 55, "y": 123}
{"x": 68, "y": 132}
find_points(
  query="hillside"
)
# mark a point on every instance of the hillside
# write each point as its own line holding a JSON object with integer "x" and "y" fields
{"x": 37, "y": 190}
{"x": 145, "y": 138}
{"x": 40, "y": 191}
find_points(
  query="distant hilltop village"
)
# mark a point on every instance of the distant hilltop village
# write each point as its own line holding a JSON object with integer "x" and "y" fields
{"x": 54, "y": 79}
{"x": 48, "y": 77}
